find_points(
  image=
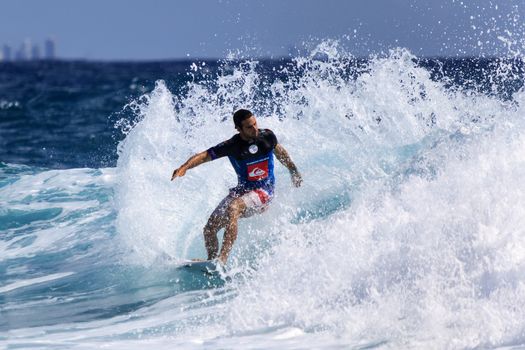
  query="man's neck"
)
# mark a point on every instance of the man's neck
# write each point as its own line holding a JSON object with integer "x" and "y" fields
{"x": 247, "y": 139}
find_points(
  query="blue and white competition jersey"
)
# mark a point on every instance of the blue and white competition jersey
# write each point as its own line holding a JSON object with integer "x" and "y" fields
{"x": 252, "y": 160}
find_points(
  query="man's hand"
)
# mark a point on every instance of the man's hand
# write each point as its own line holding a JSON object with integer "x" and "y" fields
{"x": 178, "y": 172}
{"x": 297, "y": 180}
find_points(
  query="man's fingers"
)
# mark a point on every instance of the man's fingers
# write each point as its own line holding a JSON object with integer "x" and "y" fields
{"x": 178, "y": 173}
{"x": 175, "y": 174}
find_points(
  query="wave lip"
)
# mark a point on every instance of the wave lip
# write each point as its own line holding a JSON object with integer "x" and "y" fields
{"x": 33, "y": 281}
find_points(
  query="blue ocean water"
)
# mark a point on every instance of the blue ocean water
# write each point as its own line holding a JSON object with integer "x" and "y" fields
{"x": 407, "y": 233}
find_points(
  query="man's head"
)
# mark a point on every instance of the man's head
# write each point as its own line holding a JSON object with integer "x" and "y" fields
{"x": 246, "y": 124}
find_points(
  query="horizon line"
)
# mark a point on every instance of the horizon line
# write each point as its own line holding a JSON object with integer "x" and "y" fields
{"x": 217, "y": 59}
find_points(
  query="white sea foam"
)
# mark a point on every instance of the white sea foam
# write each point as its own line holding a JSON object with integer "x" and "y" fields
{"x": 408, "y": 228}
{"x": 52, "y": 210}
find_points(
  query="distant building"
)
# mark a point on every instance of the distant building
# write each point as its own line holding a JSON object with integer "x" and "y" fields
{"x": 20, "y": 54}
{"x": 35, "y": 52}
{"x": 28, "y": 51}
{"x": 24, "y": 51}
{"x": 7, "y": 53}
{"x": 49, "y": 49}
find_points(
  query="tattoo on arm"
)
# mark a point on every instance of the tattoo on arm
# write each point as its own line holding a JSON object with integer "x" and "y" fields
{"x": 283, "y": 157}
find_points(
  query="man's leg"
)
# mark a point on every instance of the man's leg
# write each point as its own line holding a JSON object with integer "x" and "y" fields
{"x": 235, "y": 210}
{"x": 218, "y": 219}
{"x": 215, "y": 223}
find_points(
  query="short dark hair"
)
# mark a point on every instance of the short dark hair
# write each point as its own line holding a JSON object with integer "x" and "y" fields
{"x": 240, "y": 115}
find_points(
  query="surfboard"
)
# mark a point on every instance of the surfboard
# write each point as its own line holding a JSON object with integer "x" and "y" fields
{"x": 208, "y": 267}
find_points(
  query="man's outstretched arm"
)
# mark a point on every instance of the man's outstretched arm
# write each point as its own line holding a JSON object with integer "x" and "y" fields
{"x": 195, "y": 160}
{"x": 285, "y": 159}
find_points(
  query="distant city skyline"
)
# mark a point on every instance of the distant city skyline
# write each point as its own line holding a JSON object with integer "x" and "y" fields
{"x": 28, "y": 51}
{"x": 137, "y": 30}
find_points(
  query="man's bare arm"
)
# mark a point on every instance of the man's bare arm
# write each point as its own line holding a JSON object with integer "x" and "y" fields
{"x": 194, "y": 161}
{"x": 285, "y": 159}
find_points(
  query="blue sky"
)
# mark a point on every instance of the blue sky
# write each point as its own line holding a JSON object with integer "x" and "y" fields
{"x": 162, "y": 29}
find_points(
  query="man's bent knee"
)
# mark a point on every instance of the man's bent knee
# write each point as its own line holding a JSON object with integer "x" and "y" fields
{"x": 236, "y": 208}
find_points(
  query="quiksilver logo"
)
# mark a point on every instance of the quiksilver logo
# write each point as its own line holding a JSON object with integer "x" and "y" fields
{"x": 256, "y": 172}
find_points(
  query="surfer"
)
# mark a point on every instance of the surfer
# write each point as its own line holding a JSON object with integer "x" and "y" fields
{"x": 251, "y": 155}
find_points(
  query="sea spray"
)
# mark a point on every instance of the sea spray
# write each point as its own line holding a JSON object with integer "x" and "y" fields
{"x": 406, "y": 230}
{"x": 430, "y": 250}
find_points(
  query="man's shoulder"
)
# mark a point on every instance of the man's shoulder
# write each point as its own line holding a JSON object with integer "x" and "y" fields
{"x": 225, "y": 148}
{"x": 266, "y": 132}
{"x": 234, "y": 139}
{"x": 268, "y": 136}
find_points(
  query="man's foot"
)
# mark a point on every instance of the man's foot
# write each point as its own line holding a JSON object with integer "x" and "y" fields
{"x": 222, "y": 260}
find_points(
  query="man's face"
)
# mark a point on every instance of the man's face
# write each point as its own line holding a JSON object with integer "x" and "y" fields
{"x": 248, "y": 129}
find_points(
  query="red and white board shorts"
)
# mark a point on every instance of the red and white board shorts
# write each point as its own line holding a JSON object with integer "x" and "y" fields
{"x": 256, "y": 201}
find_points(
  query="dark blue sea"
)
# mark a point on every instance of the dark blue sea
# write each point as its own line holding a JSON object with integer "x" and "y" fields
{"x": 408, "y": 232}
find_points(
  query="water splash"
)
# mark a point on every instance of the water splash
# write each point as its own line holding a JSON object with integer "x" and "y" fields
{"x": 408, "y": 225}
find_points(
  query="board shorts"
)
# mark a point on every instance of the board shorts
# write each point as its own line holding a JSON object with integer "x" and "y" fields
{"x": 256, "y": 201}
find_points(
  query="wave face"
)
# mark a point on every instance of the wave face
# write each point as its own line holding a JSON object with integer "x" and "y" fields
{"x": 407, "y": 232}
